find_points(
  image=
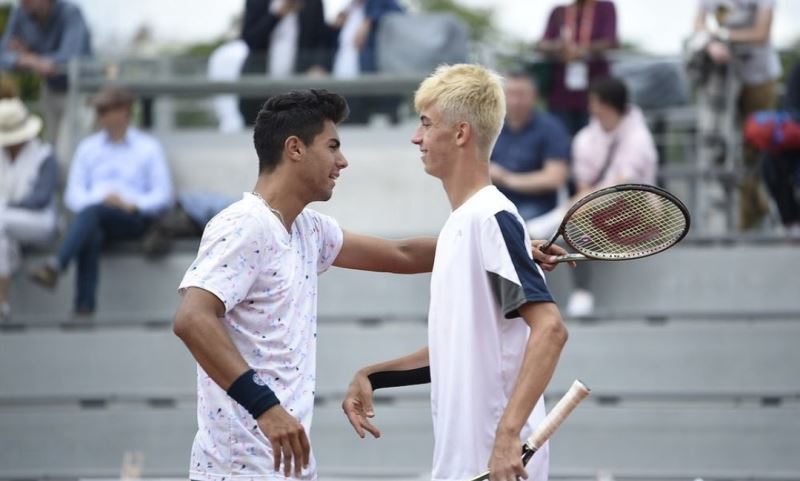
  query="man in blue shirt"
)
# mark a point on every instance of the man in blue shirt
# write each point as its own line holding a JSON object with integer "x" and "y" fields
{"x": 42, "y": 36}
{"x": 530, "y": 161}
{"x": 118, "y": 182}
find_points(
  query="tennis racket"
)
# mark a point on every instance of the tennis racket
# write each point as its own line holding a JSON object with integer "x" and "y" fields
{"x": 623, "y": 222}
{"x": 577, "y": 392}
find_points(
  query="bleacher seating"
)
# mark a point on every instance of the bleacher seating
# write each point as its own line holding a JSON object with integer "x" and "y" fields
{"x": 684, "y": 398}
{"x": 743, "y": 279}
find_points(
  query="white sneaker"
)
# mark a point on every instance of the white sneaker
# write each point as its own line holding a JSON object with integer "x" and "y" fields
{"x": 581, "y": 303}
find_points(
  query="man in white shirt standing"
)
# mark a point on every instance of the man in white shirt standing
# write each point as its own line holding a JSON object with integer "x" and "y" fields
{"x": 249, "y": 307}
{"x": 494, "y": 332}
{"x": 118, "y": 182}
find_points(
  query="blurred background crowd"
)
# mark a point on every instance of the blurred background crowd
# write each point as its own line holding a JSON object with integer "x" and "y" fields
{"x": 587, "y": 109}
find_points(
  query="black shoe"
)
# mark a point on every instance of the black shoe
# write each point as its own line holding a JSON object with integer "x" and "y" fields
{"x": 156, "y": 242}
{"x": 44, "y": 276}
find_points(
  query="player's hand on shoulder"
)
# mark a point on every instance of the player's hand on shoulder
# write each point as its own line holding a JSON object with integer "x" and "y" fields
{"x": 505, "y": 464}
{"x": 288, "y": 439}
{"x": 357, "y": 405}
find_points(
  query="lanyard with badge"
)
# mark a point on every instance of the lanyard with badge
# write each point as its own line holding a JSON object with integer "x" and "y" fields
{"x": 576, "y": 74}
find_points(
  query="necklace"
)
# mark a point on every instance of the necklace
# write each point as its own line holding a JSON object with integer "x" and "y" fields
{"x": 271, "y": 209}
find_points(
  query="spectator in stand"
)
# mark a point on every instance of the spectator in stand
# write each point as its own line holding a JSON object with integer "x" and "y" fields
{"x": 782, "y": 170}
{"x": 741, "y": 31}
{"x": 615, "y": 148}
{"x": 42, "y": 36}
{"x": 284, "y": 37}
{"x": 577, "y": 36}
{"x": 28, "y": 180}
{"x": 530, "y": 161}
{"x": 356, "y": 29}
{"x": 118, "y": 182}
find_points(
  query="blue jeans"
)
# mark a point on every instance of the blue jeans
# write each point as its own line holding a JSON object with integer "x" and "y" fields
{"x": 85, "y": 238}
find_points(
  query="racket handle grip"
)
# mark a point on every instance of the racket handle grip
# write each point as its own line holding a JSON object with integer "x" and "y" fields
{"x": 527, "y": 452}
{"x": 572, "y": 258}
{"x": 577, "y": 393}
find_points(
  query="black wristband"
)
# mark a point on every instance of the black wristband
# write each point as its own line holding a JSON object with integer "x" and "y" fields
{"x": 420, "y": 375}
{"x": 252, "y": 393}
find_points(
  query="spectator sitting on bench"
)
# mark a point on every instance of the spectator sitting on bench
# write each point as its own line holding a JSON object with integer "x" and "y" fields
{"x": 118, "y": 182}
{"x": 28, "y": 179}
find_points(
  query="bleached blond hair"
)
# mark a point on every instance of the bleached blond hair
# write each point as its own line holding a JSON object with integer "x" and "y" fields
{"x": 466, "y": 93}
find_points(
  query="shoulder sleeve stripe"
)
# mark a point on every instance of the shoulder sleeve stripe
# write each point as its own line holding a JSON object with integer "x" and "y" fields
{"x": 509, "y": 294}
{"x": 534, "y": 288}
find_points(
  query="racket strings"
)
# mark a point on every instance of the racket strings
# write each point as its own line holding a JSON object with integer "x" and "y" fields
{"x": 630, "y": 223}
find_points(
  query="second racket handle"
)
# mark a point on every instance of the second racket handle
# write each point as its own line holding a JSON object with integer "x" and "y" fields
{"x": 577, "y": 392}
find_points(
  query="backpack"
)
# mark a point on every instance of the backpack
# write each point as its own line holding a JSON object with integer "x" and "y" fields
{"x": 773, "y": 131}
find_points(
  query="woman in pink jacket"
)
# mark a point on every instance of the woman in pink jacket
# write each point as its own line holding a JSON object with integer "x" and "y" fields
{"x": 615, "y": 148}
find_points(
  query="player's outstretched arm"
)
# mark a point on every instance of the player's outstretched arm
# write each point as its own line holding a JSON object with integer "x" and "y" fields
{"x": 547, "y": 338}
{"x": 413, "y": 256}
{"x": 197, "y": 323}
{"x": 406, "y": 370}
{"x": 367, "y": 253}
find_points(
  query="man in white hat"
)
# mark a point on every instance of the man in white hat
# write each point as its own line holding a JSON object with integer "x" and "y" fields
{"x": 118, "y": 182}
{"x": 28, "y": 180}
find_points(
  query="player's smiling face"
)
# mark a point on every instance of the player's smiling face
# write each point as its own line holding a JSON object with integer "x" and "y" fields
{"x": 436, "y": 141}
{"x": 325, "y": 161}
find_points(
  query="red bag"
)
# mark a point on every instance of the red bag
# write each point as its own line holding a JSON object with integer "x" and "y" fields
{"x": 772, "y": 131}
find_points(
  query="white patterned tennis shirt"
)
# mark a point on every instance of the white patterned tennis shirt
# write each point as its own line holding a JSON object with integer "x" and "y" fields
{"x": 267, "y": 280}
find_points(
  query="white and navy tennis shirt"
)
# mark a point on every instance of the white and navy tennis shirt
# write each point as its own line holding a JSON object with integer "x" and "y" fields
{"x": 482, "y": 274}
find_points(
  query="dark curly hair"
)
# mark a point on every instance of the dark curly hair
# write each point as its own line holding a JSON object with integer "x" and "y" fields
{"x": 301, "y": 113}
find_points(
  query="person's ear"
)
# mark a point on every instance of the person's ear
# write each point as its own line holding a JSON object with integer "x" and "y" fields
{"x": 294, "y": 148}
{"x": 463, "y": 133}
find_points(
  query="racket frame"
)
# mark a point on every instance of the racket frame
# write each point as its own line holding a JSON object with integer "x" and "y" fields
{"x": 600, "y": 193}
